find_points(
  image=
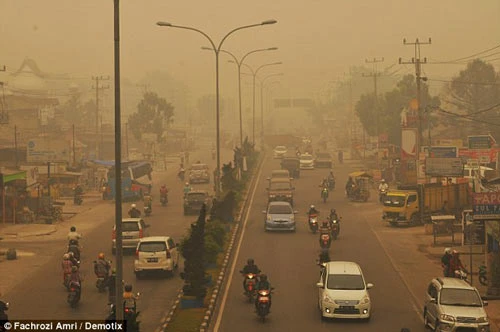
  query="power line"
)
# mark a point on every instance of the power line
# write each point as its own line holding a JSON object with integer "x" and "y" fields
{"x": 471, "y": 56}
{"x": 461, "y": 82}
{"x": 466, "y": 117}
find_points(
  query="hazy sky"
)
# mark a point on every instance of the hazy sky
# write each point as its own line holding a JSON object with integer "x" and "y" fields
{"x": 318, "y": 39}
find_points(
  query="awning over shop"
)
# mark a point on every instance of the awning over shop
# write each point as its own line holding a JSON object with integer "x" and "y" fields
{"x": 13, "y": 176}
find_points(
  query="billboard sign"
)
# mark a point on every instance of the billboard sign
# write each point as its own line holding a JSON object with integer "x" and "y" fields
{"x": 408, "y": 143}
{"x": 452, "y": 167}
{"x": 481, "y": 142}
{"x": 441, "y": 151}
{"x": 486, "y": 205}
{"x": 44, "y": 150}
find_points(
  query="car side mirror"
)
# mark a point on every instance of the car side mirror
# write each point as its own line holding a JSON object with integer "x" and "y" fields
{"x": 485, "y": 303}
{"x": 320, "y": 285}
{"x": 369, "y": 285}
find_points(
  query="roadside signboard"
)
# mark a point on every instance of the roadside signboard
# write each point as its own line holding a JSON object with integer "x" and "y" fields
{"x": 480, "y": 142}
{"x": 441, "y": 151}
{"x": 486, "y": 205}
{"x": 45, "y": 149}
{"x": 452, "y": 167}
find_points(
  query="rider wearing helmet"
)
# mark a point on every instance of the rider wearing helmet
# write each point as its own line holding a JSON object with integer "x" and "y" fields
{"x": 66, "y": 266}
{"x": 383, "y": 186}
{"x": 134, "y": 212}
{"x": 312, "y": 211}
{"x": 101, "y": 266}
{"x": 262, "y": 284}
{"x": 251, "y": 267}
{"x": 187, "y": 188}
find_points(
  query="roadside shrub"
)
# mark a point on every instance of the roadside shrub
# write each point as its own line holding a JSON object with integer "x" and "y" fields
{"x": 217, "y": 231}
{"x": 212, "y": 249}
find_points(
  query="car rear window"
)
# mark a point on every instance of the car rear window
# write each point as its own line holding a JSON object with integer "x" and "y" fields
{"x": 306, "y": 157}
{"x": 345, "y": 281}
{"x": 130, "y": 227}
{"x": 153, "y": 246}
{"x": 280, "y": 209}
{"x": 280, "y": 186}
{"x": 196, "y": 197}
{"x": 199, "y": 167}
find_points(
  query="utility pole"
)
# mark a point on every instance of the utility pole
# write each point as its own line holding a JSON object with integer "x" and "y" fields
{"x": 375, "y": 74}
{"x": 4, "y": 117}
{"x": 417, "y": 62}
{"x": 97, "y": 88}
{"x": 15, "y": 146}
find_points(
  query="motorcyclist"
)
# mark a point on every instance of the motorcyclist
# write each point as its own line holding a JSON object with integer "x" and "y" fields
{"x": 383, "y": 186}
{"x": 73, "y": 259}
{"x": 325, "y": 229}
{"x": 263, "y": 284}
{"x": 76, "y": 279}
{"x": 129, "y": 298}
{"x": 324, "y": 183}
{"x": 73, "y": 235}
{"x": 324, "y": 257}
{"x": 445, "y": 261}
{"x": 134, "y": 212}
{"x": 455, "y": 264}
{"x": 251, "y": 267}
{"x": 163, "y": 191}
{"x": 66, "y": 266}
{"x": 181, "y": 172}
{"x": 334, "y": 216}
{"x": 110, "y": 283}
{"x": 148, "y": 202}
{"x": 349, "y": 186}
{"x": 102, "y": 267}
{"x": 187, "y": 188}
{"x": 312, "y": 211}
{"x": 74, "y": 250}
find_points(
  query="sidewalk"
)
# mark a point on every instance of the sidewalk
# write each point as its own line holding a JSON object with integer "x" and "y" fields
{"x": 418, "y": 261}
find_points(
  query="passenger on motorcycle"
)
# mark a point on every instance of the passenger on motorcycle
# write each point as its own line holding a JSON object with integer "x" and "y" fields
{"x": 102, "y": 267}
{"x": 263, "y": 284}
{"x": 73, "y": 235}
{"x": 73, "y": 259}
{"x": 134, "y": 212}
{"x": 66, "y": 266}
{"x": 76, "y": 280}
{"x": 110, "y": 283}
{"x": 455, "y": 264}
{"x": 251, "y": 267}
{"x": 129, "y": 298}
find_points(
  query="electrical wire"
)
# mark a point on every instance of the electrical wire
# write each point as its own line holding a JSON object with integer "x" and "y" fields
{"x": 471, "y": 56}
{"x": 461, "y": 82}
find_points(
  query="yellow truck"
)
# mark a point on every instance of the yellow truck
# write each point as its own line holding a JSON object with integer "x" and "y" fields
{"x": 414, "y": 205}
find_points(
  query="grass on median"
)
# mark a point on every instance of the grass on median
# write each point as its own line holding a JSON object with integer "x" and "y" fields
{"x": 186, "y": 320}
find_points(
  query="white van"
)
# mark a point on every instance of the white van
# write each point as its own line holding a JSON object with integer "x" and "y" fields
{"x": 156, "y": 253}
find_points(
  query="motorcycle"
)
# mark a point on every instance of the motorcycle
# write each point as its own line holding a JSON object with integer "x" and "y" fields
{"x": 331, "y": 183}
{"x": 325, "y": 241}
{"x": 461, "y": 275}
{"x": 263, "y": 303}
{"x": 130, "y": 305}
{"x": 382, "y": 194}
{"x": 102, "y": 280}
{"x": 147, "y": 210}
{"x": 313, "y": 223}
{"x": 181, "y": 174}
{"x": 74, "y": 294}
{"x": 75, "y": 249}
{"x": 250, "y": 282}
{"x": 324, "y": 194}
{"x": 164, "y": 200}
{"x": 67, "y": 278}
{"x": 335, "y": 228}
{"x": 4, "y": 306}
{"x": 483, "y": 275}
{"x": 77, "y": 200}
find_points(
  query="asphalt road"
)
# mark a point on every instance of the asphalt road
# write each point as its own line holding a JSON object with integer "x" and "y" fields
{"x": 42, "y": 296}
{"x": 289, "y": 261}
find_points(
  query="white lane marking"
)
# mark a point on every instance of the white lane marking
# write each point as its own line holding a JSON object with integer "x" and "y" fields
{"x": 414, "y": 300}
{"x": 233, "y": 265}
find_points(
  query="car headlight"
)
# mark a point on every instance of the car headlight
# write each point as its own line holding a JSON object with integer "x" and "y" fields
{"x": 365, "y": 299}
{"x": 272, "y": 196}
{"x": 482, "y": 320}
{"x": 327, "y": 299}
{"x": 269, "y": 218}
{"x": 292, "y": 218}
{"x": 446, "y": 317}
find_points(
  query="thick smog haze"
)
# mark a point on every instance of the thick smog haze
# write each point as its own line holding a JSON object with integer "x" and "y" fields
{"x": 317, "y": 40}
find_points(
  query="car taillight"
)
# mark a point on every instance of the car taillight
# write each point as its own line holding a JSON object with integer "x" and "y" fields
{"x": 168, "y": 254}
{"x": 113, "y": 235}
{"x": 141, "y": 233}
{"x": 137, "y": 253}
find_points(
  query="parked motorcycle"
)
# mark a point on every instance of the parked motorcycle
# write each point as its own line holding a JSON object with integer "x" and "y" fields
{"x": 324, "y": 194}
{"x": 163, "y": 200}
{"x": 250, "y": 282}
{"x": 74, "y": 294}
{"x": 483, "y": 275}
{"x": 313, "y": 223}
{"x": 263, "y": 303}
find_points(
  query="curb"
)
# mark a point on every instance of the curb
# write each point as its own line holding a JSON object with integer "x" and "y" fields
{"x": 165, "y": 321}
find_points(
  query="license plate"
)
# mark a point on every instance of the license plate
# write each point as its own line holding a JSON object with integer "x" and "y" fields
{"x": 264, "y": 299}
{"x": 153, "y": 260}
{"x": 127, "y": 237}
{"x": 347, "y": 307}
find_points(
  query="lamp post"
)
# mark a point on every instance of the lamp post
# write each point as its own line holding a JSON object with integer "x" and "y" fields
{"x": 262, "y": 82}
{"x": 217, "y": 50}
{"x": 239, "y": 63}
{"x": 254, "y": 73}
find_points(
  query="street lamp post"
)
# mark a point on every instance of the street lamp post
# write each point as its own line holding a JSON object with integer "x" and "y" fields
{"x": 239, "y": 63}
{"x": 262, "y": 107}
{"x": 216, "y": 50}
{"x": 254, "y": 73}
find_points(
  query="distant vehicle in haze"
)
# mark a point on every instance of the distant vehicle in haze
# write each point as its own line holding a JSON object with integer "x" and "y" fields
{"x": 280, "y": 151}
{"x": 306, "y": 161}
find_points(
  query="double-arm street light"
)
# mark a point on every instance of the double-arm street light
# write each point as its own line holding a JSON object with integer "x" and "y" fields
{"x": 254, "y": 73}
{"x": 239, "y": 63}
{"x": 262, "y": 82}
{"x": 217, "y": 50}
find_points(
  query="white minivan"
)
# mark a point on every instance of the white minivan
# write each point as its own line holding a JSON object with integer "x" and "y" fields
{"x": 343, "y": 292}
{"x": 156, "y": 253}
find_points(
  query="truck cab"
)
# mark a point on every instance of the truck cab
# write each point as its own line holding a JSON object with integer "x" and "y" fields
{"x": 401, "y": 207}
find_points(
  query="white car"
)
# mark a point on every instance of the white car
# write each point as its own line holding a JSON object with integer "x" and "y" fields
{"x": 306, "y": 161}
{"x": 156, "y": 253}
{"x": 280, "y": 151}
{"x": 343, "y": 292}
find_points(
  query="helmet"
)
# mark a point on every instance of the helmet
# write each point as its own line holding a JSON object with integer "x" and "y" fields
{"x": 333, "y": 211}
{"x": 250, "y": 261}
{"x": 447, "y": 250}
{"x": 133, "y": 206}
{"x": 187, "y": 183}
{"x": 128, "y": 288}
{"x": 73, "y": 229}
{"x": 263, "y": 277}
{"x": 71, "y": 254}
{"x": 382, "y": 180}
{"x": 66, "y": 256}
{"x": 101, "y": 255}
{"x": 312, "y": 206}
{"x": 74, "y": 269}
